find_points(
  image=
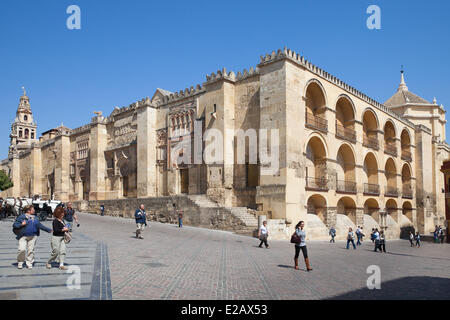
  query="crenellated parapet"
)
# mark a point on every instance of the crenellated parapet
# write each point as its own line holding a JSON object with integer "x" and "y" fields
{"x": 183, "y": 94}
{"x": 300, "y": 60}
{"x": 231, "y": 76}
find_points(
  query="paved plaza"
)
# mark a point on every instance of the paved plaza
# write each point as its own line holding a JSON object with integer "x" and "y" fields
{"x": 199, "y": 264}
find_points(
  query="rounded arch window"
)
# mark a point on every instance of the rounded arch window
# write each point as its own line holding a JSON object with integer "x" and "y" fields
{"x": 25, "y": 118}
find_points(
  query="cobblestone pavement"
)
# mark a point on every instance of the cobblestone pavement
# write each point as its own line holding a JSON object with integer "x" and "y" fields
{"x": 199, "y": 264}
{"x": 193, "y": 263}
{"x": 51, "y": 284}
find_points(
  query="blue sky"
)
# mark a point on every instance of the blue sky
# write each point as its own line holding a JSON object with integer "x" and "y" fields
{"x": 127, "y": 49}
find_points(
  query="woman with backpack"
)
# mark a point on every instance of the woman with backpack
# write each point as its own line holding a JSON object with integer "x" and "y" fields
{"x": 300, "y": 244}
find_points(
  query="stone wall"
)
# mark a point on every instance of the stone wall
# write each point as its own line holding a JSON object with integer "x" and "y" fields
{"x": 160, "y": 209}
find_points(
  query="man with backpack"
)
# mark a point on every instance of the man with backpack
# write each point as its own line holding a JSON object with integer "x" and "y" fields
{"x": 27, "y": 228}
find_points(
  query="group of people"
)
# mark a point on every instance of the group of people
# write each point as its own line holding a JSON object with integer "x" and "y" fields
{"x": 27, "y": 229}
{"x": 438, "y": 235}
{"x": 141, "y": 219}
{"x": 412, "y": 237}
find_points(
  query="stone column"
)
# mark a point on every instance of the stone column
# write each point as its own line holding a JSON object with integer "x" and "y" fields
{"x": 62, "y": 167}
{"x": 360, "y": 217}
{"x": 228, "y": 135}
{"x": 146, "y": 150}
{"x": 97, "y": 146}
{"x": 331, "y": 217}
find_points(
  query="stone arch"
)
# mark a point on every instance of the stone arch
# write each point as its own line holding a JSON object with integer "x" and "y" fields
{"x": 345, "y": 168}
{"x": 317, "y": 205}
{"x": 316, "y": 106}
{"x": 370, "y": 129}
{"x": 406, "y": 181}
{"x": 322, "y": 140}
{"x": 390, "y": 171}
{"x": 346, "y": 212}
{"x": 405, "y": 141}
{"x": 371, "y": 214}
{"x": 369, "y": 114}
{"x": 392, "y": 211}
{"x": 370, "y": 168}
{"x": 407, "y": 214}
{"x": 390, "y": 137}
{"x": 316, "y": 163}
{"x": 314, "y": 86}
{"x": 345, "y": 112}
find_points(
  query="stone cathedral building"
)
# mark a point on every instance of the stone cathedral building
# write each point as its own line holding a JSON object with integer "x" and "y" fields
{"x": 344, "y": 158}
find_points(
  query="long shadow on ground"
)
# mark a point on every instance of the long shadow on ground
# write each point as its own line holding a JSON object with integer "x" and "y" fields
{"x": 408, "y": 288}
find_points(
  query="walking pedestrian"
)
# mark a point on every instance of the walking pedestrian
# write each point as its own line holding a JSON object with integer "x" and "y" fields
{"x": 141, "y": 221}
{"x": 418, "y": 239}
{"x": 351, "y": 238}
{"x": 435, "y": 235}
{"x": 358, "y": 236}
{"x": 57, "y": 242}
{"x": 69, "y": 216}
{"x": 362, "y": 234}
{"x": 382, "y": 241}
{"x": 301, "y": 246}
{"x": 376, "y": 237}
{"x": 263, "y": 234}
{"x": 102, "y": 210}
{"x": 27, "y": 228}
{"x": 179, "y": 214}
{"x": 441, "y": 235}
{"x": 372, "y": 235}
{"x": 411, "y": 238}
{"x": 332, "y": 233}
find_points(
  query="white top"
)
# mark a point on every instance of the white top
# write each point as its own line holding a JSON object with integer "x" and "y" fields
{"x": 376, "y": 236}
{"x": 263, "y": 230}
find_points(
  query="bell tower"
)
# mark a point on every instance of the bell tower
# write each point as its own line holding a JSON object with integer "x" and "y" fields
{"x": 23, "y": 129}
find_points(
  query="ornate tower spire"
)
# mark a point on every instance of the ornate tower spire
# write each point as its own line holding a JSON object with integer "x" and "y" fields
{"x": 402, "y": 86}
{"x": 23, "y": 130}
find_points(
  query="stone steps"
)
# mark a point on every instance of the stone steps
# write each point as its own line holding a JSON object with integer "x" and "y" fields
{"x": 241, "y": 213}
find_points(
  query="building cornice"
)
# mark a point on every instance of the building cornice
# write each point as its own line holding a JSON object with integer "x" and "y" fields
{"x": 295, "y": 58}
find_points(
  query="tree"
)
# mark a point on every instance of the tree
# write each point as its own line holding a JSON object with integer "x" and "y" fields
{"x": 5, "y": 181}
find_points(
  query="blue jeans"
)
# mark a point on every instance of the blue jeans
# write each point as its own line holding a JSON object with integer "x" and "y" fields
{"x": 353, "y": 243}
{"x": 358, "y": 243}
{"x": 180, "y": 222}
